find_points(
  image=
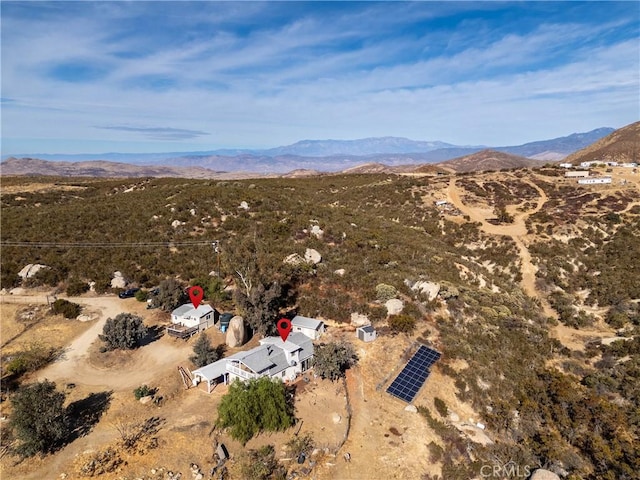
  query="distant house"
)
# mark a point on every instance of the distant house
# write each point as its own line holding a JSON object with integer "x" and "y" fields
{"x": 310, "y": 327}
{"x": 366, "y": 333}
{"x": 203, "y": 317}
{"x": 577, "y": 173}
{"x": 566, "y": 165}
{"x": 593, "y": 180}
{"x": 273, "y": 358}
{"x": 441, "y": 203}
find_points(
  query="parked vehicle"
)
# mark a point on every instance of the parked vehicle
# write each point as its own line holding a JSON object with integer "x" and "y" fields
{"x": 129, "y": 293}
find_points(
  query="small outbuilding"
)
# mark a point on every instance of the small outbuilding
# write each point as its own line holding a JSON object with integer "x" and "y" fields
{"x": 366, "y": 333}
{"x": 310, "y": 327}
{"x": 202, "y": 317}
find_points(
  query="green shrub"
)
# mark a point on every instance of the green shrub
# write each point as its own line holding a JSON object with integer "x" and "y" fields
{"x": 142, "y": 295}
{"x": 125, "y": 331}
{"x": 76, "y": 287}
{"x": 66, "y": 308}
{"x": 33, "y": 358}
{"x": 385, "y": 292}
{"x": 143, "y": 391}
{"x": 402, "y": 323}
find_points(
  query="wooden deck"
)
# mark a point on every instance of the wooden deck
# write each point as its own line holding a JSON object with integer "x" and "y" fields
{"x": 181, "y": 332}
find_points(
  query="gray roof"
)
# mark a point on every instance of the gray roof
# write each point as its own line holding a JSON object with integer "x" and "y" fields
{"x": 367, "y": 329}
{"x": 269, "y": 357}
{"x": 213, "y": 370}
{"x": 188, "y": 310}
{"x": 306, "y": 322}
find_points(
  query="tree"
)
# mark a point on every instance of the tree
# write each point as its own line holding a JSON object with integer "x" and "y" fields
{"x": 76, "y": 287}
{"x": 261, "y": 307}
{"x": 38, "y": 418}
{"x": 125, "y": 331}
{"x": 203, "y": 352}
{"x": 171, "y": 295}
{"x": 253, "y": 406}
{"x": 331, "y": 360}
{"x": 502, "y": 216}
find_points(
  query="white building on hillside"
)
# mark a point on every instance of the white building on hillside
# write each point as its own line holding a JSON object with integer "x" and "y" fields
{"x": 310, "y": 327}
{"x": 576, "y": 173}
{"x": 204, "y": 316}
{"x": 593, "y": 180}
{"x": 566, "y": 165}
{"x": 273, "y": 358}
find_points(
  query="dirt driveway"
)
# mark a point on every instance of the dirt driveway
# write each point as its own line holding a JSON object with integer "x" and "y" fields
{"x": 146, "y": 363}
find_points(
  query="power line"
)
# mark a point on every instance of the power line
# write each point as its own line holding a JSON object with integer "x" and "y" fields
{"x": 10, "y": 243}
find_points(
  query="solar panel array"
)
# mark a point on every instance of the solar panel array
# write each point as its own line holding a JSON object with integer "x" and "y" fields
{"x": 414, "y": 374}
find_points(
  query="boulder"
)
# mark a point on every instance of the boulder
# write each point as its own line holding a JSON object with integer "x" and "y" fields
{"x": 244, "y": 205}
{"x": 336, "y": 418}
{"x": 118, "y": 280}
{"x": 312, "y": 256}
{"x": 453, "y": 417}
{"x": 236, "y": 332}
{"x": 316, "y": 231}
{"x": 146, "y": 399}
{"x": 394, "y": 306}
{"x": 340, "y": 271}
{"x": 542, "y": 474}
{"x": 293, "y": 259}
{"x": 176, "y": 223}
{"x": 411, "y": 408}
{"x": 30, "y": 270}
{"x": 430, "y": 289}
{"x": 359, "y": 320}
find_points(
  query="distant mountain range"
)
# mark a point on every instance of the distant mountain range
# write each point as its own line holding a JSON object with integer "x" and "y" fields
{"x": 623, "y": 145}
{"x": 306, "y": 155}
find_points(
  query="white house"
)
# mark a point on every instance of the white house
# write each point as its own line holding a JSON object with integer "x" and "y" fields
{"x": 204, "y": 316}
{"x": 273, "y": 358}
{"x": 310, "y": 327}
{"x": 592, "y": 180}
{"x": 366, "y": 333}
{"x": 566, "y": 165}
{"x": 577, "y": 173}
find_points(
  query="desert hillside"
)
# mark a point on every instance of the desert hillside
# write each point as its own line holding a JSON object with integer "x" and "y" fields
{"x": 622, "y": 146}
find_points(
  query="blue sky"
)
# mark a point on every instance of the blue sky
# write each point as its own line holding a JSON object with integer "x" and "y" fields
{"x": 92, "y": 77}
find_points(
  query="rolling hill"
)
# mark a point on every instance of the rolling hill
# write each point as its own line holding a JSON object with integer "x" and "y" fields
{"x": 489, "y": 160}
{"x": 623, "y": 145}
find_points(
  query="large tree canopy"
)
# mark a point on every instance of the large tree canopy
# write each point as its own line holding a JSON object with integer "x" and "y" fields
{"x": 38, "y": 418}
{"x": 254, "y": 406}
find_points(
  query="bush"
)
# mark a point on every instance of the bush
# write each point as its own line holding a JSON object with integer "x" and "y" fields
{"x": 261, "y": 464}
{"x": 142, "y": 295}
{"x": 300, "y": 444}
{"x": 66, "y": 308}
{"x": 143, "y": 391}
{"x": 38, "y": 418}
{"x": 76, "y": 287}
{"x": 441, "y": 407}
{"x": 125, "y": 331}
{"x": 402, "y": 323}
{"x": 385, "y": 292}
{"x": 30, "y": 360}
{"x": 331, "y": 360}
{"x": 254, "y": 406}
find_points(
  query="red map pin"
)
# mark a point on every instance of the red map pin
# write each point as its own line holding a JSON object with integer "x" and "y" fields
{"x": 196, "y": 294}
{"x": 284, "y": 327}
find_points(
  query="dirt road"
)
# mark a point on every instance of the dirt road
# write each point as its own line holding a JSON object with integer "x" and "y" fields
{"x": 145, "y": 363}
{"x": 517, "y": 230}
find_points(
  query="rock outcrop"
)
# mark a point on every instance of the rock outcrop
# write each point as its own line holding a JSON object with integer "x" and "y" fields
{"x": 236, "y": 333}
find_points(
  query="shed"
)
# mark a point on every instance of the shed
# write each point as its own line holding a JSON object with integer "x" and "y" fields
{"x": 366, "y": 333}
{"x": 202, "y": 317}
{"x": 310, "y": 327}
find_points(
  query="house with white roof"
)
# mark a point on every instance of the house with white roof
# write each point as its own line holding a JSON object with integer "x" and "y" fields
{"x": 203, "y": 317}
{"x": 273, "y": 358}
{"x": 310, "y": 327}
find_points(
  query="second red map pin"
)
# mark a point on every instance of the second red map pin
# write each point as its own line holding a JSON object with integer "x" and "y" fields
{"x": 284, "y": 327}
{"x": 195, "y": 294}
